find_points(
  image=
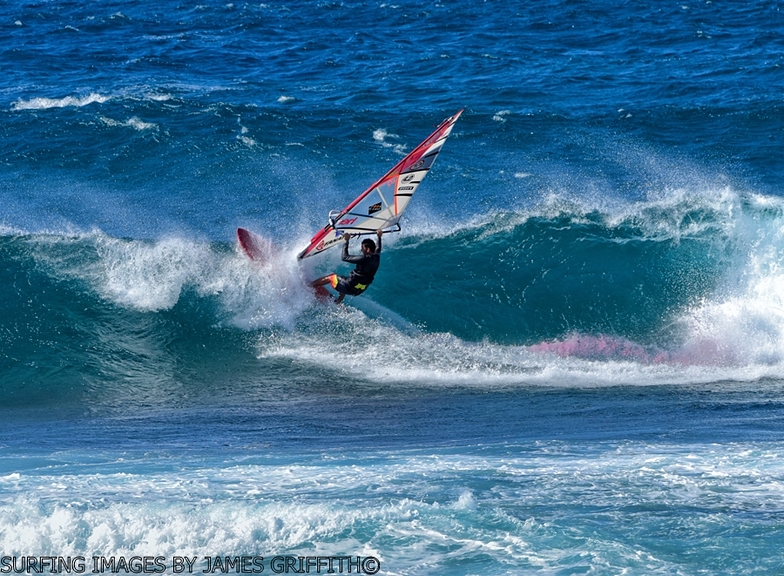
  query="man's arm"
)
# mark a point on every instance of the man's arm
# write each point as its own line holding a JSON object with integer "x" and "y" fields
{"x": 378, "y": 246}
{"x": 348, "y": 257}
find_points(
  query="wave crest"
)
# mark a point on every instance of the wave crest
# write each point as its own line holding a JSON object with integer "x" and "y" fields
{"x": 41, "y": 103}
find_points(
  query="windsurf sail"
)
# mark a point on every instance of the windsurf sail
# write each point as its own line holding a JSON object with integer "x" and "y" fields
{"x": 382, "y": 204}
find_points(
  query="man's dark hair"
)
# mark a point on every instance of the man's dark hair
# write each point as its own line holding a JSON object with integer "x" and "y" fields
{"x": 368, "y": 243}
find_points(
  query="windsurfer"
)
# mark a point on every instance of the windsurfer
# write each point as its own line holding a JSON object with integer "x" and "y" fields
{"x": 361, "y": 276}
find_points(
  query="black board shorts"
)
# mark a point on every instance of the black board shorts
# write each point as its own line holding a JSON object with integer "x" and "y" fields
{"x": 341, "y": 284}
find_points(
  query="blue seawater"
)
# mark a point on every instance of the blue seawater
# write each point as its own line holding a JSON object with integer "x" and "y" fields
{"x": 571, "y": 360}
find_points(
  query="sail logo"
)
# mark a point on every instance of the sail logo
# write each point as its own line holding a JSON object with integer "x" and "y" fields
{"x": 347, "y": 222}
{"x": 373, "y": 208}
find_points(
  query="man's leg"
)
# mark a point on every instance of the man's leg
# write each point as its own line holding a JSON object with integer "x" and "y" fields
{"x": 323, "y": 281}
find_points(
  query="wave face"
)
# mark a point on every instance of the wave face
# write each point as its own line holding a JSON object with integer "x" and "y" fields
{"x": 521, "y": 278}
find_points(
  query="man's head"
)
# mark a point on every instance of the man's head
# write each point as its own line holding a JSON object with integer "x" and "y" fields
{"x": 368, "y": 246}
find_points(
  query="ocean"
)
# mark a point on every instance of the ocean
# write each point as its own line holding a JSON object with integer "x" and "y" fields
{"x": 571, "y": 360}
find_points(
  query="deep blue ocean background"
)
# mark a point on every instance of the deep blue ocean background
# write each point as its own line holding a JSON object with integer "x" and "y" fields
{"x": 571, "y": 360}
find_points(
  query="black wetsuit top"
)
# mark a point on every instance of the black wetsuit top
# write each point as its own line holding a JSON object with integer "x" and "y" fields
{"x": 366, "y": 268}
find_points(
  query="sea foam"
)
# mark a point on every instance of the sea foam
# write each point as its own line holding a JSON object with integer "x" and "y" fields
{"x": 42, "y": 103}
